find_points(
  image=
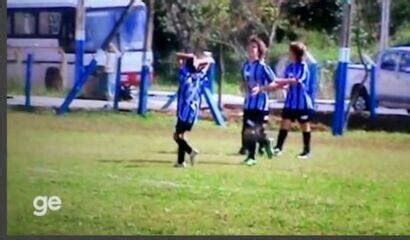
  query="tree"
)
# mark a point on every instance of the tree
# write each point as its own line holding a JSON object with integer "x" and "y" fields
{"x": 182, "y": 19}
{"x": 225, "y": 22}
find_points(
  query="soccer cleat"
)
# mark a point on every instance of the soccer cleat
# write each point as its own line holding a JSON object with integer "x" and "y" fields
{"x": 242, "y": 151}
{"x": 180, "y": 165}
{"x": 304, "y": 155}
{"x": 193, "y": 155}
{"x": 277, "y": 152}
{"x": 250, "y": 162}
{"x": 269, "y": 148}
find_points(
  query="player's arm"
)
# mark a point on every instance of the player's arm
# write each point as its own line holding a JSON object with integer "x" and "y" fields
{"x": 300, "y": 78}
{"x": 271, "y": 79}
{"x": 273, "y": 86}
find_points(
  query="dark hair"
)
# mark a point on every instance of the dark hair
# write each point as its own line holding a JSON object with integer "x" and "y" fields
{"x": 189, "y": 64}
{"x": 299, "y": 49}
{"x": 262, "y": 49}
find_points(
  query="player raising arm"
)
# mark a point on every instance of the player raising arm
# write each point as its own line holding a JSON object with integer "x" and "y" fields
{"x": 189, "y": 99}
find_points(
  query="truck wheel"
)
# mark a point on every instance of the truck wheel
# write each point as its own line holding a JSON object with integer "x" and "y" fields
{"x": 361, "y": 103}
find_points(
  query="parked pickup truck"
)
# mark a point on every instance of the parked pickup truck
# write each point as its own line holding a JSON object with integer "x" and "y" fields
{"x": 392, "y": 81}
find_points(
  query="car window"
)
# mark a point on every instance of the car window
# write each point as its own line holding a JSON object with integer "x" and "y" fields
{"x": 405, "y": 63}
{"x": 389, "y": 61}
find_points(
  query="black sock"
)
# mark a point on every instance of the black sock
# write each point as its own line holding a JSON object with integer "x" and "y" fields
{"x": 263, "y": 138}
{"x": 281, "y": 138}
{"x": 185, "y": 146}
{"x": 181, "y": 154}
{"x": 250, "y": 144}
{"x": 251, "y": 147}
{"x": 242, "y": 136}
{"x": 306, "y": 142}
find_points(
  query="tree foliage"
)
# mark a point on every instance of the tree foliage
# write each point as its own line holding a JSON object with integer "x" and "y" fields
{"x": 229, "y": 23}
{"x": 189, "y": 24}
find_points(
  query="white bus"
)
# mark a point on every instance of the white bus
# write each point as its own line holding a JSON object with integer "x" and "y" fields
{"x": 46, "y": 28}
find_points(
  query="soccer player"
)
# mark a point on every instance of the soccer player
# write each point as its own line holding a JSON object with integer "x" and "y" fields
{"x": 188, "y": 102}
{"x": 298, "y": 104}
{"x": 256, "y": 73}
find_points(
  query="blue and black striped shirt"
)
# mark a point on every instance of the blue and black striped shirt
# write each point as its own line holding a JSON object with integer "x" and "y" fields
{"x": 297, "y": 96}
{"x": 253, "y": 74}
{"x": 189, "y": 96}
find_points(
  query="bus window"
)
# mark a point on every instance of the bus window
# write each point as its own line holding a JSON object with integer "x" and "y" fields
{"x": 67, "y": 36}
{"x": 98, "y": 26}
{"x": 8, "y": 24}
{"x": 132, "y": 31}
{"x": 24, "y": 23}
{"x": 50, "y": 23}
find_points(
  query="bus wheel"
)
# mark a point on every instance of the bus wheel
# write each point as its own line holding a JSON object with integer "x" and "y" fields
{"x": 53, "y": 80}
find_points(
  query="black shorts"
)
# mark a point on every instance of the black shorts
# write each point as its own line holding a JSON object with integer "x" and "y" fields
{"x": 301, "y": 115}
{"x": 255, "y": 116}
{"x": 182, "y": 126}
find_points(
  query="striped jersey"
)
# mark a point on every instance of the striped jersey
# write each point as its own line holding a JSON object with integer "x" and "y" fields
{"x": 189, "y": 96}
{"x": 253, "y": 74}
{"x": 297, "y": 96}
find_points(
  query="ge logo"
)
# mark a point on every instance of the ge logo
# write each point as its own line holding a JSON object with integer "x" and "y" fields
{"x": 42, "y": 203}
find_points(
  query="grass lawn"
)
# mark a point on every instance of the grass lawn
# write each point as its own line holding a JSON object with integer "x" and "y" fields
{"x": 114, "y": 175}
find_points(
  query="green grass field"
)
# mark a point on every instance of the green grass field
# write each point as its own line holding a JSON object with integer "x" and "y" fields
{"x": 114, "y": 175}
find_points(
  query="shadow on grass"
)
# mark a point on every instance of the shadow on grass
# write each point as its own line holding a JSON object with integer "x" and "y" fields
{"x": 167, "y": 152}
{"x": 235, "y": 154}
{"x": 148, "y": 161}
{"x": 111, "y": 161}
{"x": 232, "y": 154}
{"x": 134, "y": 166}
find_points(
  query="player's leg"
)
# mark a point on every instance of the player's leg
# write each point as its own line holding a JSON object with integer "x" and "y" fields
{"x": 264, "y": 140}
{"x": 184, "y": 143}
{"x": 242, "y": 150}
{"x": 189, "y": 149}
{"x": 251, "y": 138}
{"x": 306, "y": 134}
{"x": 288, "y": 117}
{"x": 283, "y": 133}
{"x": 181, "y": 150}
{"x": 261, "y": 143}
{"x": 186, "y": 146}
{"x": 252, "y": 130}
